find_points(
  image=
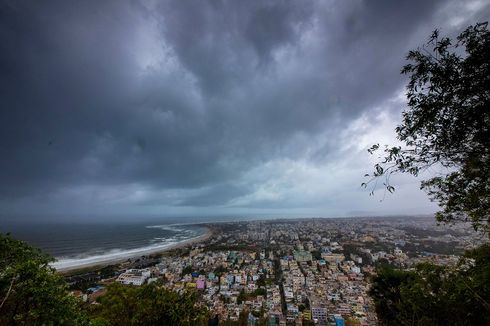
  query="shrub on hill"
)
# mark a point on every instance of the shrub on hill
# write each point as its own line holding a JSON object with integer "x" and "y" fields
{"x": 31, "y": 293}
{"x": 447, "y": 124}
{"x": 435, "y": 295}
{"x": 149, "y": 304}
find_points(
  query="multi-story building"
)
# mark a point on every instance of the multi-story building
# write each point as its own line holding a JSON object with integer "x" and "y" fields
{"x": 134, "y": 276}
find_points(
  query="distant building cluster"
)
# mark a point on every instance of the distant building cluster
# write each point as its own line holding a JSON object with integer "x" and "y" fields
{"x": 291, "y": 272}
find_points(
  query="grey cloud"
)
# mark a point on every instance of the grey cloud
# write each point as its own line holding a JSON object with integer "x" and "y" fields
{"x": 188, "y": 96}
{"x": 222, "y": 43}
{"x": 216, "y": 195}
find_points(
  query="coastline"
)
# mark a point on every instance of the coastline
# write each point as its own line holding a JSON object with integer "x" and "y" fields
{"x": 139, "y": 253}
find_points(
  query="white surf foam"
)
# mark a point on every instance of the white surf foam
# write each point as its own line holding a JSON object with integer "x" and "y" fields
{"x": 112, "y": 255}
{"x": 168, "y": 227}
{"x": 84, "y": 260}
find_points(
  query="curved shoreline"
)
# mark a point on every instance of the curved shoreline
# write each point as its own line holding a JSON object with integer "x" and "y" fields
{"x": 132, "y": 254}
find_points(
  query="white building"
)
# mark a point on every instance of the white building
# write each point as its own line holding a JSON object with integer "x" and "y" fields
{"x": 134, "y": 276}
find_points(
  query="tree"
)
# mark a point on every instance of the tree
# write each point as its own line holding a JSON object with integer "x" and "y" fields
{"x": 261, "y": 281}
{"x": 242, "y": 296}
{"x": 260, "y": 291}
{"x": 31, "y": 293}
{"x": 316, "y": 254}
{"x": 186, "y": 270}
{"x": 149, "y": 304}
{"x": 435, "y": 295}
{"x": 447, "y": 124}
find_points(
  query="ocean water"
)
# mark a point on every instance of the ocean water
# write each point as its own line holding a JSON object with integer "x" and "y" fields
{"x": 80, "y": 244}
{"x": 76, "y": 242}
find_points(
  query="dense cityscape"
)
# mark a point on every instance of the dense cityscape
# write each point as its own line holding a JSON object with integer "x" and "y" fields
{"x": 288, "y": 272}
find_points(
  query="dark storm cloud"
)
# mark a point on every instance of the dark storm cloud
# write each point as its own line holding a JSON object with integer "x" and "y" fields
{"x": 216, "y": 195}
{"x": 188, "y": 95}
{"x": 223, "y": 42}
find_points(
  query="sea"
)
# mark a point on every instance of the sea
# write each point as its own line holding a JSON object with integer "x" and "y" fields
{"x": 79, "y": 244}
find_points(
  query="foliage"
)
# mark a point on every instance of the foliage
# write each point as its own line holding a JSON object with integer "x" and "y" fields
{"x": 242, "y": 296}
{"x": 186, "y": 270}
{"x": 261, "y": 281}
{"x": 435, "y": 295}
{"x": 31, "y": 293}
{"x": 149, "y": 304}
{"x": 220, "y": 270}
{"x": 260, "y": 291}
{"x": 447, "y": 125}
{"x": 316, "y": 254}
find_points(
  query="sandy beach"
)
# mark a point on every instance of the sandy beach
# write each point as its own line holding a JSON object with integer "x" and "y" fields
{"x": 99, "y": 262}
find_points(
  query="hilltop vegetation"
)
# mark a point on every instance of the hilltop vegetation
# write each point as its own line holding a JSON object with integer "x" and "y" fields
{"x": 447, "y": 124}
{"x": 435, "y": 295}
{"x": 32, "y": 293}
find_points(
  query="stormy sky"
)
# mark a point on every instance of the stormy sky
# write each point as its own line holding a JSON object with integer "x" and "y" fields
{"x": 207, "y": 107}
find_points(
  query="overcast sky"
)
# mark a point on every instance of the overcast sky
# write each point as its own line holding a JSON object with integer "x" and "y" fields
{"x": 207, "y": 107}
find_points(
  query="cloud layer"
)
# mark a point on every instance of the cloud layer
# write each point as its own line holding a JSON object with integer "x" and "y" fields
{"x": 205, "y": 106}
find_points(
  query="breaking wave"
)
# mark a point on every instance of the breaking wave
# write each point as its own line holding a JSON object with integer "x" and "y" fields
{"x": 155, "y": 244}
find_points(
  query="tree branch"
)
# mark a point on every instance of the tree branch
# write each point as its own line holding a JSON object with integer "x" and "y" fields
{"x": 8, "y": 292}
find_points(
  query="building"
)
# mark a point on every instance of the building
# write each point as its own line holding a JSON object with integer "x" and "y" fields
{"x": 339, "y": 321}
{"x": 318, "y": 312}
{"x": 302, "y": 255}
{"x": 200, "y": 284}
{"x": 134, "y": 277}
{"x": 333, "y": 258}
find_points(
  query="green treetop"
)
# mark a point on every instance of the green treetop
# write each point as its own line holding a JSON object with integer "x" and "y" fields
{"x": 447, "y": 124}
{"x": 31, "y": 293}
